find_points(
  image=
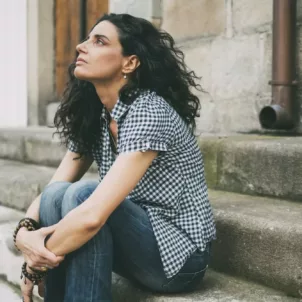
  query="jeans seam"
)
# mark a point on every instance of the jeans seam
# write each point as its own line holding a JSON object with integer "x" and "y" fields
{"x": 94, "y": 259}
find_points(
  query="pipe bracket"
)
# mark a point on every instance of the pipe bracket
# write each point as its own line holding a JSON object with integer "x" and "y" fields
{"x": 281, "y": 83}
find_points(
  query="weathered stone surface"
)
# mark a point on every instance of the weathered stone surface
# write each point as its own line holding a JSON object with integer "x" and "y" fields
{"x": 233, "y": 80}
{"x": 257, "y": 165}
{"x": 21, "y": 183}
{"x": 21, "y": 144}
{"x": 33, "y": 145}
{"x": 41, "y": 50}
{"x": 211, "y": 150}
{"x": 266, "y": 59}
{"x": 262, "y": 167}
{"x": 10, "y": 293}
{"x": 8, "y": 215}
{"x": 11, "y": 145}
{"x": 299, "y": 10}
{"x": 215, "y": 287}
{"x": 198, "y": 57}
{"x": 260, "y": 239}
{"x": 230, "y": 213}
{"x": 299, "y": 67}
{"x": 43, "y": 150}
{"x": 194, "y": 18}
{"x": 235, "y": 67}
{"x": 241, "y": 159}
{"x": 216, "y": 116}
{"x": 252, "y": 14}
{"x": 208, "y": 119}
{"x": 50, "y": 112}
{"x": 243, "y": 116}
{"x": 141, "y": 8}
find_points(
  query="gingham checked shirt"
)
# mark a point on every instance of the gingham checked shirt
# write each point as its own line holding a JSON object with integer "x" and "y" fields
{"x": 173, "y": 190}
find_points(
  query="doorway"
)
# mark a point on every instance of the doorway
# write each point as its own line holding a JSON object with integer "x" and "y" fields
{"x": 73, "y": 19}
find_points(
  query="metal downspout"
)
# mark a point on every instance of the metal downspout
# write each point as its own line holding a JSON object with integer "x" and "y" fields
{"x": 282, "y": 113}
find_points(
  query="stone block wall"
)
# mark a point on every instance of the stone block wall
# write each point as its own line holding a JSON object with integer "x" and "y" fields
{"x": 229, "y": 44}
{"x": 147, "y": 9}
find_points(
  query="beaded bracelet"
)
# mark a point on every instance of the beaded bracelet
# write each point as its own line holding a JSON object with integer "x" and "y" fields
{"x": 34, "y": 278}
{"x": 29, "y": 223}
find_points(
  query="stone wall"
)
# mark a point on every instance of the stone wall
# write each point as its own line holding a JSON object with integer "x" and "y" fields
{"x": 228, "y": 43}
{"x": 147, "y": 9}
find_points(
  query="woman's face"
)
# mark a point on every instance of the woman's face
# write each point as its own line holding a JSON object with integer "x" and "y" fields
{"x": 100, "y": 57}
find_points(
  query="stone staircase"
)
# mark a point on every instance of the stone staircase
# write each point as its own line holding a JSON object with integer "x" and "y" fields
{"x": 255, "y": 189}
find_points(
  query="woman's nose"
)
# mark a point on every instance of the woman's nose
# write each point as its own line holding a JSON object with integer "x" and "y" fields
{"x": 81, "y": 47}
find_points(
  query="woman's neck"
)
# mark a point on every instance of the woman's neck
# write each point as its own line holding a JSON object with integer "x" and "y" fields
{"x": 108, "y": 94}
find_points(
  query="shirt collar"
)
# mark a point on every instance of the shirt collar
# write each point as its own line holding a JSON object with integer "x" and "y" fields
{"x": 119, "y": 108}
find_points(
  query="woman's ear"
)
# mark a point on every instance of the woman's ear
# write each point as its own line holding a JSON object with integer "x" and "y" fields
{"x": 130, "y": 64}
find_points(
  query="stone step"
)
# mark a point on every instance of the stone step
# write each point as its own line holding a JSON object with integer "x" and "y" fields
{"x": 20, "y": 183}
{"x": 217, "y": 287}
{"x": 250, "y": 164}
{"x": 254, "y": 164}
{"x": 259, "y": 238}
{"x": 11, "y": 293}
{"x": 33, "y": 145}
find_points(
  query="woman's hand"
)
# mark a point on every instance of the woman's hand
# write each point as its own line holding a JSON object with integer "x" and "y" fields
{"x": 31, "y": 244}
{"x": 27, "y": 288}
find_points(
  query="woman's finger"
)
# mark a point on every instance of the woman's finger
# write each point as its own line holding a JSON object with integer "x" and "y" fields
{"x": 41, "y": 289}
{"x": 39, "y": 262}
{"x": 26, "y": 298}
{"x": 51, "y": 257}
{"x": 27, "y": 290}
{"x": 48, "y": 230}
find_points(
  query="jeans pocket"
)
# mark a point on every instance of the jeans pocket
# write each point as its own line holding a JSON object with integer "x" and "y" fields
{"x": 184, "y": 281}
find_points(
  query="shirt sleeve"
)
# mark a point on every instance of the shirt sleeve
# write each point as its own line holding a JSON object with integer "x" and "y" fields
{"x": 76, "y": 147}
{"x": 148, "y": 127}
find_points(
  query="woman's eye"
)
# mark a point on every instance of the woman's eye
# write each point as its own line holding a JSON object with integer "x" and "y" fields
{"x": 99, "y": 41}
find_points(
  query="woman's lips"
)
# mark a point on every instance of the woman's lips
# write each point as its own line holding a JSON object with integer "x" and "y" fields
{"x": 79, "y": 62}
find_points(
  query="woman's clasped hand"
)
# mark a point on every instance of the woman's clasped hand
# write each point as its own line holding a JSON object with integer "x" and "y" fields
{"x": 37, "y": 257}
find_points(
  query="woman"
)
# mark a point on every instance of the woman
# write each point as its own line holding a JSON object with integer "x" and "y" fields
{"x": 129, "y": 107}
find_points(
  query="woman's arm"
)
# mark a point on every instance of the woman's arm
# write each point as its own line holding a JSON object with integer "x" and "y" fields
{"x": 69, "y": 170}
{"x": 83, "y": 222}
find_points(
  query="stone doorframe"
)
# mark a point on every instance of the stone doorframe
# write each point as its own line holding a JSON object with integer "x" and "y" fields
{"x": 40, "y": 59}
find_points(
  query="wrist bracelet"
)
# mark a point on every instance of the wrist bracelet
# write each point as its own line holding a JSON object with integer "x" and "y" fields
{"x": 29, "y": 223}
{"x": 34, "y": 278}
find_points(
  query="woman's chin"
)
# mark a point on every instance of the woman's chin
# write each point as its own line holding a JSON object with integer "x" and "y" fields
{"x": 79, "y": 74}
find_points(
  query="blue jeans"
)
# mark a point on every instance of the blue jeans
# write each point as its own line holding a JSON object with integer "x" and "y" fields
{"x": 125, "y": 245}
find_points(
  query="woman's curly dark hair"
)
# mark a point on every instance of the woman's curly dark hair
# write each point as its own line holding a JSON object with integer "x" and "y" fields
{"x": 162, "y": 69}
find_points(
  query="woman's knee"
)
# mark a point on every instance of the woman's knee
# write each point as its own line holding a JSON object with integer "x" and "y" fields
{"x": 54, "y": 192}
{"x": 77, "y": 193}
{"x": 51, "y": 202}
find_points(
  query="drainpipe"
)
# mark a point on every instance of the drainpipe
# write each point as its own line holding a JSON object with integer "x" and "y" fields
{"x": 282, "y": 113}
